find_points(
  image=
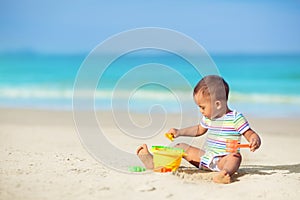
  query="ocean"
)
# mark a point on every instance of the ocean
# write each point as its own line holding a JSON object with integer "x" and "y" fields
{"x": 260, "y": 85}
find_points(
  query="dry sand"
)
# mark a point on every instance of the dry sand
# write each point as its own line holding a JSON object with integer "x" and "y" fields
{"x": 41, "y": 157}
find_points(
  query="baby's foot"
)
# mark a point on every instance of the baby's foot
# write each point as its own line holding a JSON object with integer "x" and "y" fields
{"x": 222, "y": 177}
{"x": 145, "y": 156}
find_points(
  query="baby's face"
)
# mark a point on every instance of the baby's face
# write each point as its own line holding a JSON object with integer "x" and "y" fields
{"x": 205, "y": 105}
{"x": 208, "y": 107}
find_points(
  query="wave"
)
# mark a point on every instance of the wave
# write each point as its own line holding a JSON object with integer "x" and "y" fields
{"x": 35, "y": 93}
{"x": 141, "y": 95}
{"x": 52, "y": 93}
{"x": 264, "y": 98}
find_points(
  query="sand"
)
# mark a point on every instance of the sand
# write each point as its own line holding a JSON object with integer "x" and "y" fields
{"x": 42, "y": 157}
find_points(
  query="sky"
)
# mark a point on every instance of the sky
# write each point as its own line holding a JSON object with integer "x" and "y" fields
{"x": 76, "y": 26}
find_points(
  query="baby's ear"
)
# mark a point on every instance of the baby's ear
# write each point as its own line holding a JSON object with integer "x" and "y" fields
{"x": 218, "y": 105}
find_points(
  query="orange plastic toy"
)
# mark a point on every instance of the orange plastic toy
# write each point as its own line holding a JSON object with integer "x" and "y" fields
{"x": 233, "y": 145}
{"x": 162, "y": 169}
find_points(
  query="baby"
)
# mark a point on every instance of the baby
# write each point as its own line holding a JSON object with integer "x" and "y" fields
{"x": 220, "y": 124}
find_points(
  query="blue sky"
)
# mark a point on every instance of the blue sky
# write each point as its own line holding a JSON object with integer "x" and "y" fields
{"x": 70, "y": 26}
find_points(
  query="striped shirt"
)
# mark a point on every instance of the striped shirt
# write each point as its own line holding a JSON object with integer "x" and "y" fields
{"x": 229, "y": 127}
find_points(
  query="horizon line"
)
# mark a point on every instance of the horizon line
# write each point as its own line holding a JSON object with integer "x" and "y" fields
{"x": 212, "y": 53}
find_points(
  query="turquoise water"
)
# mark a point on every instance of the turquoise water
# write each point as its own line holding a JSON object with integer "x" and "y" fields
{"x": 264, "y": 85}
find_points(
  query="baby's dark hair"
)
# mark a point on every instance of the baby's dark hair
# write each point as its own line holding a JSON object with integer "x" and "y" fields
{"x": 213, "y": 86}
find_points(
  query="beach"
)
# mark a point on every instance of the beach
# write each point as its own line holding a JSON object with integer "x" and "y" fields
{"x": 85, "y": 85}
{"x": 42, "y": 157}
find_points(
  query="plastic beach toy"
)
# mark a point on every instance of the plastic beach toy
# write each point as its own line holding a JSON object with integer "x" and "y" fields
{"x": 233, "y": 145}
{"x": 136, "y": 169}
{"x": 170, "y": 136}
{"x": 166, "y": 159}
{"x": 162, "y": 169}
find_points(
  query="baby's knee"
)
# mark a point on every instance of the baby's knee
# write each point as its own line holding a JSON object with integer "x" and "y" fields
{"x": 237, "y": 156}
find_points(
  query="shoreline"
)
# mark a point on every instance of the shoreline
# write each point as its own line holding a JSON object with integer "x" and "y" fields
{"x": 42, "y": 157}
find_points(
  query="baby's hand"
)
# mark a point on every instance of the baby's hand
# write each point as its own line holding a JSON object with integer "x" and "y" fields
{"x": 254, "y": 143}
{"x": 174, "y": 132}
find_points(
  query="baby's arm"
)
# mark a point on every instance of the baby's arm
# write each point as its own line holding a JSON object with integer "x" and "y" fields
{"x": 192, "y": 131}
{"x": 253, "y": 139}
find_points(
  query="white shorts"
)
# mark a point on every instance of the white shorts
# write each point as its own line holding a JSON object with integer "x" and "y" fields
{"x": 214, "y": 164}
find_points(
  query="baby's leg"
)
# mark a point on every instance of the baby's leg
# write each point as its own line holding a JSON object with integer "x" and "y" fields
{"x": 193, "y": 154}
{"x": 145, "y": 156}
{"x": 228, "y": 165}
